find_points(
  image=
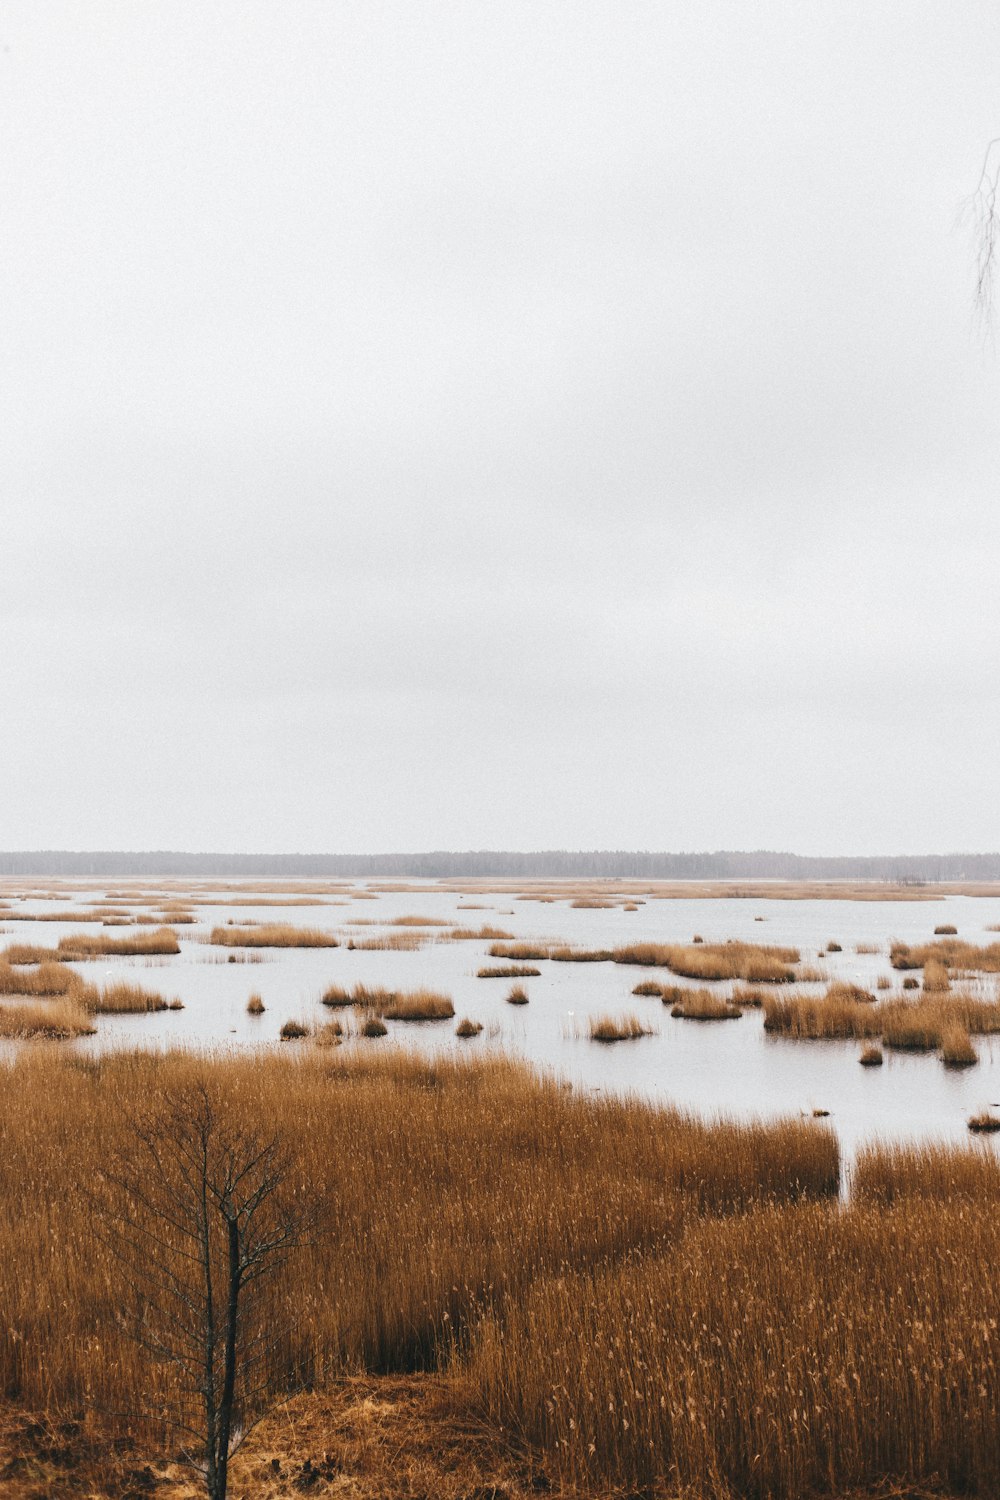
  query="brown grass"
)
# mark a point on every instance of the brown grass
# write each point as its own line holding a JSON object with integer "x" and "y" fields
{"x": 467, "y": 1028}
{"x": 54, "y": 1019}
{"x": 452, "y": 1189}
{"x": 483, "y": 934}
{"x": 885, "y": 1174}
{"x": 517, "y": 995}
{"x": 47, "y": 979}
{"x": 373, "y": 1027}
{"x": 121, "y": 999}
{"x": 914, "y": 1025}
{"x": 871, "y": 1056}
{"x": 617, "y": 1028}
{"x": 255, "y": 1005}
{"x": 952, "y": 953}
{"x": 418, "y": 1005}
{"x": 520, "y": 952}
{"x": 984, "y": 1123}
{"x": 271, "y": 935}
{"x": 945, "y": 930}
{"x": 508, "y": 971}
{"x": 703, "y": 1005}
{"x": 404, "y": 941}
{"x": 293, "y": 1031}
{"x": 81, "y": 945}
{"x": 791, "y": 1351}
{"x": 957, "y": 1050}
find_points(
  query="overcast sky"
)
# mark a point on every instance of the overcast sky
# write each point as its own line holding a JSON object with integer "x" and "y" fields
{"x": 448, "y": 425}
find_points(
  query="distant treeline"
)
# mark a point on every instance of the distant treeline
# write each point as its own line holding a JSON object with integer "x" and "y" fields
{"x": 757, "y": 864}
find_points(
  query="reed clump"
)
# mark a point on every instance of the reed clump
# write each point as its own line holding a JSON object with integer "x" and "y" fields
{"x": 945, "y": 930}
{"x": 49, "y": 978}
{"x": 508, "y": 971}
{"x": 516, "y": 995}
{"x": 871, "y": 1056}
{"x": 953, "y": 953}
{"x": 163, "y": 941}
{"x": 293, "y": 1031}
{"x": 520, "y": 952}
{"x": 617, "y": 1028}
{"x": 467, "y": 1028}
{"x": 271, "y": 935}
{"x": 754, "y": 963}
{"x": 957, "y": 1050}
{"x": 703, "y": 1005}
{"x": 255, "y": 1005}
{"x": 54, "y": 1019}
{"x": 374, "y": 1027}
{"x": 121, "y": 998}
{"x": 419, "y": 1005}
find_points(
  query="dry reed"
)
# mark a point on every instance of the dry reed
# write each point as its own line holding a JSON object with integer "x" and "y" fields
{"x": 271, "y": 935}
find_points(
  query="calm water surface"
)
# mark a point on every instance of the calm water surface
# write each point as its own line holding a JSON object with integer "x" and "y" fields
{"x": 728, "y": 1067}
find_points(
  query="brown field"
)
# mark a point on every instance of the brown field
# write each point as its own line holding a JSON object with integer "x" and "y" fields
{"x": 272, "y": 935}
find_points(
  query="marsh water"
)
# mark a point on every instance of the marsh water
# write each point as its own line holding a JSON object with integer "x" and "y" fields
{"x": 729, "y": 1067}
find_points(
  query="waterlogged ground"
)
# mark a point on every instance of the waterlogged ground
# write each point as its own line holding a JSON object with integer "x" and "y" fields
{"x": 728, "y": 1067}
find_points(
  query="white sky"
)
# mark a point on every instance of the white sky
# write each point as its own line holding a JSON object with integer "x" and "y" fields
{"x": 447, "y": 425}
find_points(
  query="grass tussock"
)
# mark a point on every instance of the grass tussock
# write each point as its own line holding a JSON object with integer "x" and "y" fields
{"x": 405, "y": 941}
{"x": 484, "y": 934}
{"x": 374, "y": 1027}
{"x": 754, "y": 963}
{"x": 121, "y": 999}
{"x": 271, "y": 935}
{"x": 255, "y": 1005}
{"x": 649, "y": 989}
{"x": 957, "y": 1050}
{"x": 952, "y": 953}
{"x": 56, "y": 1020}
{"x": 908, "y": 1025}
{"x": 871, "y": 1056}
{"x": 867, "y": 947}
{"x": 49, "y": 978}
{"x": 517, "y": 995}
{"x": 293, "y": 1031}
{"x": 467, "y": 1028}
{"x": 508, "y": 971}
{"x": 617, "y": 1028}
{"x": 703, "y": 1005}
{"x": 520, "y": 952}
{"x": 418, "y": 1005}
{"x": 984, "y": 1123}
{"x": 945, "y": 930}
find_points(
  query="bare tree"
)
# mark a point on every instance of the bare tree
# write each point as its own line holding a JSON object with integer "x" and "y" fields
{"x": 981, "y": 209}
{"x": 201, "y": 1215}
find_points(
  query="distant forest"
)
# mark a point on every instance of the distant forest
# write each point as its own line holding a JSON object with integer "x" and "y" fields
{"x": 758, "y": 864}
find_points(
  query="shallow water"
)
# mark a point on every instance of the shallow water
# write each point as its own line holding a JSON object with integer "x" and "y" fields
{"x": 728, "y": 1067}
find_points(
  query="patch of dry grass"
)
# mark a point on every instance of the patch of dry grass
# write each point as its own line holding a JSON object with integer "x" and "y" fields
{"x": 271, "y": 935}
{"x": 617, "y": 1028}
{"x": 703, "y": 1005}
{"x": 508, "y": 971}
{"x": 517, "y": 995}
{"x": 53, "y": 1019}
{"x": 418, "y": 1005}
